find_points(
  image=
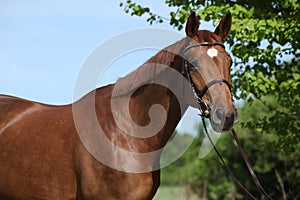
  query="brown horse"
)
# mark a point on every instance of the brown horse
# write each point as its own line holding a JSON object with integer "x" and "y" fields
{"x": 84, "y": 150}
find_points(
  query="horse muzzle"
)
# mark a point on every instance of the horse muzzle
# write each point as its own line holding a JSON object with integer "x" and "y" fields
{"x": 222, "y": 119}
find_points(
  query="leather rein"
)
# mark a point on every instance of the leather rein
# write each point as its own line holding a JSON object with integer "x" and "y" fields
{"x": 205, "y": 113}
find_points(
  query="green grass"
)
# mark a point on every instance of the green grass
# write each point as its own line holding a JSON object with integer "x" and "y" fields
{"x": 174, "y": 193}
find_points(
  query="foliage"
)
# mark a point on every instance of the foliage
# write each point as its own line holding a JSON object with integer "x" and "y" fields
{"x": 278, "y": 173}
{"x": 264, "y": 41}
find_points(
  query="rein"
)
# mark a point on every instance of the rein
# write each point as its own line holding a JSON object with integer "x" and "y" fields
{"x": 205, "y": 114}
{"x": 246, "y": 161}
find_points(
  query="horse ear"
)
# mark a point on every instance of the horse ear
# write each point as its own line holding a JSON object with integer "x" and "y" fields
{"x": 224, "y": 26}
{"x": 192, "y": 25}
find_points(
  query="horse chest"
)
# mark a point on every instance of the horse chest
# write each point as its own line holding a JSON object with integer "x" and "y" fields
{"x": 98, "y": 181}
{"x": 118, "y": 186}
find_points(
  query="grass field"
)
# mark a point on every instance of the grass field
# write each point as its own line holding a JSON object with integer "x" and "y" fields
{"x": 174, "y": 193}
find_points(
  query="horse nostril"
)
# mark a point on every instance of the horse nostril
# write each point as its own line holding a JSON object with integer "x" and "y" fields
{"x": 220, "y": 114}
{"x": 220, "y": 121}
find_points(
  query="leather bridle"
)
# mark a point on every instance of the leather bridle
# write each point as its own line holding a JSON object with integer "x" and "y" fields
{"x": 205, "y": 110}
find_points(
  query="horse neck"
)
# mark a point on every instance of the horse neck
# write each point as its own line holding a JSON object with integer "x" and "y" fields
{"x": 150, "y": 111}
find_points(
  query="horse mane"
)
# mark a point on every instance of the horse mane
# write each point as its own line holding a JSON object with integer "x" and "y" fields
{"x": 146, "y": 73}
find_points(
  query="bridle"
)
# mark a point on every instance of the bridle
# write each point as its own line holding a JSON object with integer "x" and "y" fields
{"x": 205, "y": 109}
{"x": 205, "y": 113}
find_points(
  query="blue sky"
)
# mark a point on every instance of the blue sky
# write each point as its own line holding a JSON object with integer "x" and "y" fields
{"x": 44, "y": 43}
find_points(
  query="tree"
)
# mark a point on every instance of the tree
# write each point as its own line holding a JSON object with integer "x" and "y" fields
{"x": 264, "y": 41}
{"x": 278, "y": 173}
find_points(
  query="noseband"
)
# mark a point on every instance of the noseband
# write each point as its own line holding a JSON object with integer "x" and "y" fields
{"x": 205, "y": 110}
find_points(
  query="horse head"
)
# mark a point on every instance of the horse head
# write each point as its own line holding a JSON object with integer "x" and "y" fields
{"x": 207, "y": 68}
